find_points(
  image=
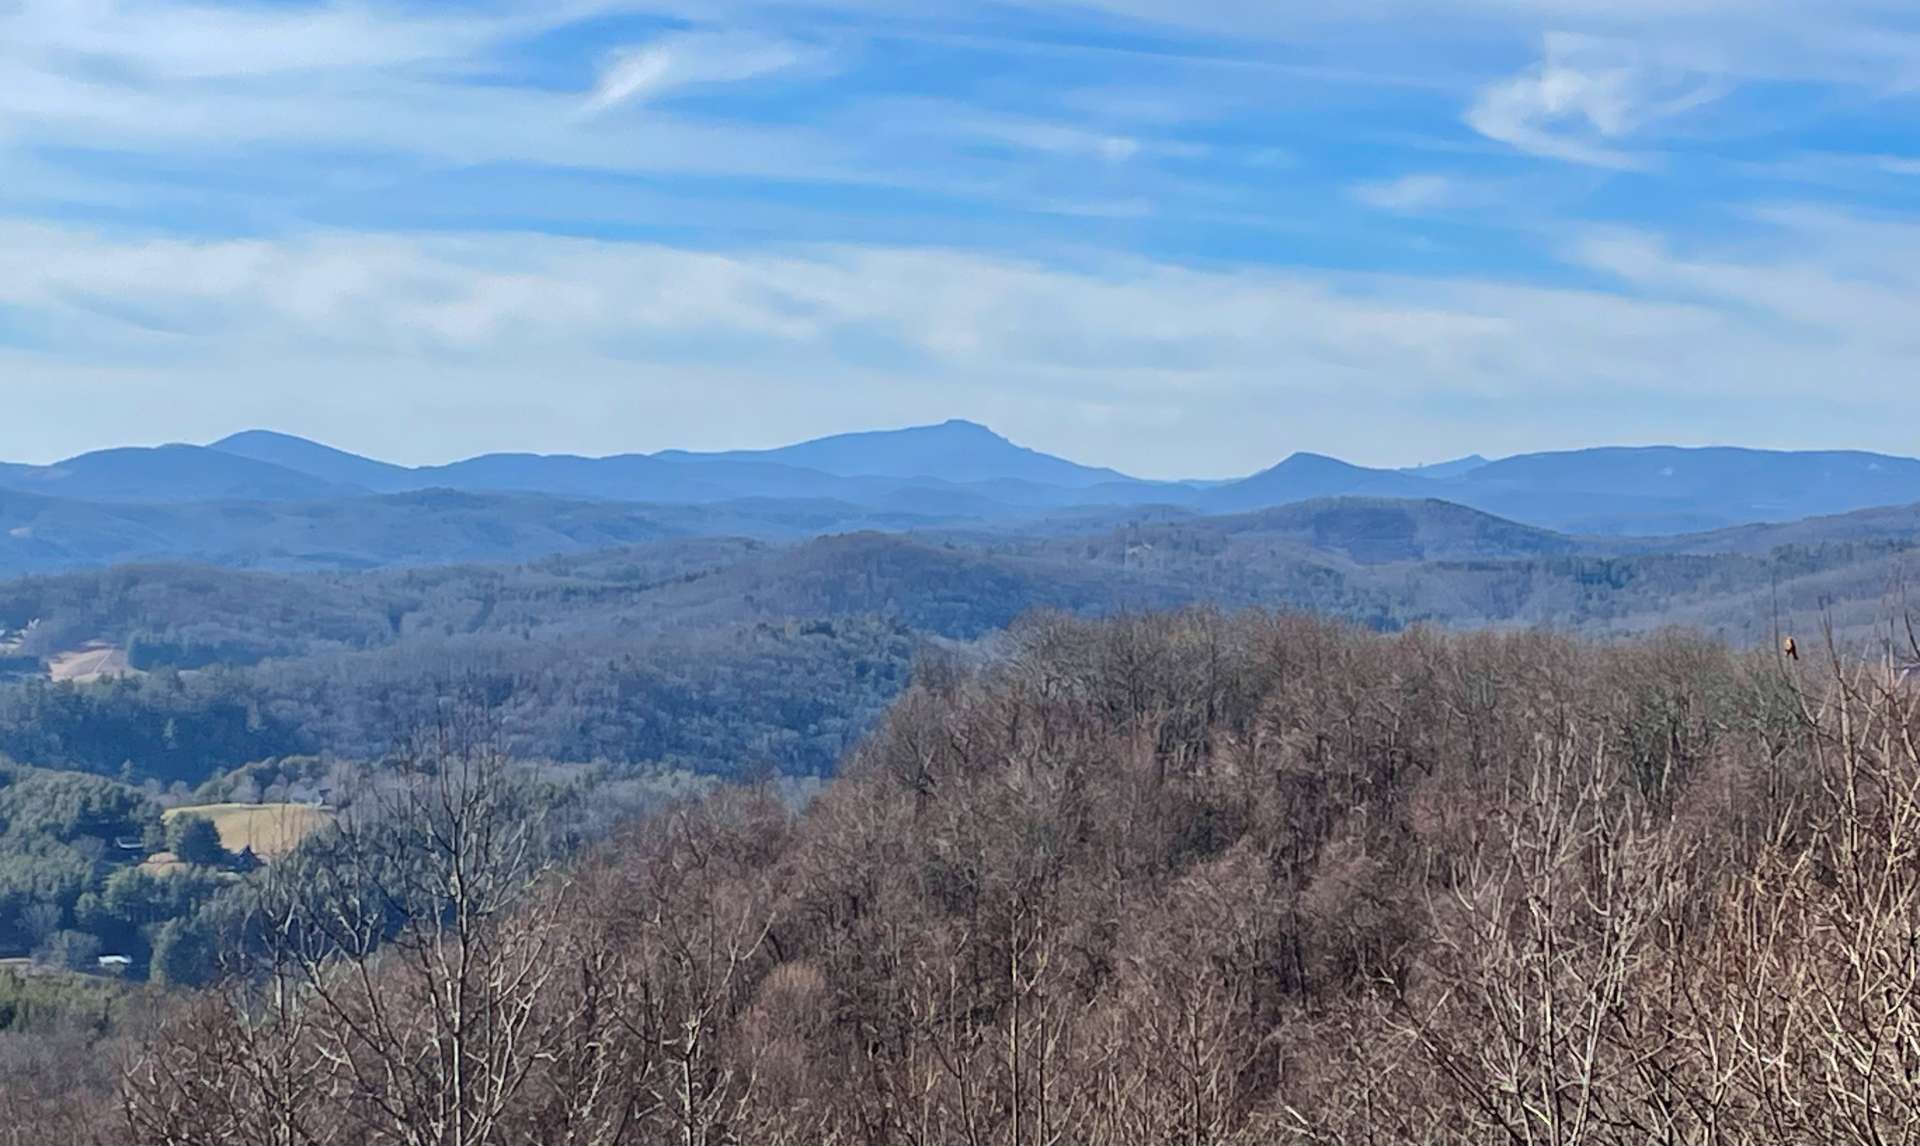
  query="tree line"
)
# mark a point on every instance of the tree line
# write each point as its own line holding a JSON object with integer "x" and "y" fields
{"x": 1188, "y": 878}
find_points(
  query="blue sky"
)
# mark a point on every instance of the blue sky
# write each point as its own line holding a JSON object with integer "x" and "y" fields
{"x": 1179, "y": 237}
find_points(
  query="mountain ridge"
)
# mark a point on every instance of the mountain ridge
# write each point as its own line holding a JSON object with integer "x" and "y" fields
{"x": 175, "y": 472}
{"x": 304, "y": 455}
{"x": 957, "y": 450}
{"x": 959, "y": 472}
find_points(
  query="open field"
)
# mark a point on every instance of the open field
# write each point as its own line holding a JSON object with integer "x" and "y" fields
{"x": 271, "y": 830}
{"x": 162, "y": 863}
{"x": 93, "y": 661}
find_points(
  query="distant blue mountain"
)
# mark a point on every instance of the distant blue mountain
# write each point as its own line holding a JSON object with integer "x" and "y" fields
{"x": 961, "y": 472}
{"x": 1447, "y": 469}
{"x": 422, "y": 527}
{"x": 316, "y": 460}
{"x": 1306, "y": 477}
{"x": 954, "y": 451}
{"x": 1655, "y": 490}
{"x": 950, "y": 468}
{"x": 641, "y": 477}
{"x": 1737, "y": 485}
{"x": 1666, "y": 490}
{"x": 167, "y": 473}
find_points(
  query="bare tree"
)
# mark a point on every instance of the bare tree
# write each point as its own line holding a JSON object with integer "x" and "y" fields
{"x": 388, "y": 982}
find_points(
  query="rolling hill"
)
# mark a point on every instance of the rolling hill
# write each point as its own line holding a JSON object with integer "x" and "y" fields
{"x": 716, "y": 654}
{"x": 1377, "y": 531}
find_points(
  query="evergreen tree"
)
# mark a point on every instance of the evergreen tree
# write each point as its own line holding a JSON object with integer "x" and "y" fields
{"x": 194, "y": 839}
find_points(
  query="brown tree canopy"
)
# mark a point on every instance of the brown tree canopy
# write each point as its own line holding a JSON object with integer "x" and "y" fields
{"x": 1171, "y": 878}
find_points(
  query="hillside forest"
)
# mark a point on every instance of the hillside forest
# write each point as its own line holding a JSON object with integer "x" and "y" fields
{"x": 1188, "y": 877}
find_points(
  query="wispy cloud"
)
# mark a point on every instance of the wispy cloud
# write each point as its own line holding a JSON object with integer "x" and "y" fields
{"x": 1865, "y": 43}
{"x": 1142, "y": 207}
{"x": 1055, "y": 139}
{"x": 182, "y": 83}
{"x": 213, "y": 41}
{"x": 1240, "y": 360}
{"x": 1586, "y": 99}
{"x": 647, "y": 71}
{"x": 1409, "y": 193}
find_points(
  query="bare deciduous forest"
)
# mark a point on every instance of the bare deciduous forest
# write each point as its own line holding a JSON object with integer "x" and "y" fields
{"x": 1188, "y": 878}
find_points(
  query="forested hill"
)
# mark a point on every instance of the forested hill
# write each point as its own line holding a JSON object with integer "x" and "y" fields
{"x": 1172, "y": 878}
{"x": 729, "y": 655}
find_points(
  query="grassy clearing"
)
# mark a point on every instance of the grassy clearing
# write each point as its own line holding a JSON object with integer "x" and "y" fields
{"x": 271, "y": 830}
{"x": 94, "y": 661}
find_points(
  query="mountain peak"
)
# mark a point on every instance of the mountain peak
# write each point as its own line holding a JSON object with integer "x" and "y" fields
{"x": 1306, "y": 476}
{"x": 956, "y": 450}
{"x": 243, "y": 437}
{"x": 1453, "y": 467}
{"x": 1308, "y": 460}
{"x": 303, "y": 455}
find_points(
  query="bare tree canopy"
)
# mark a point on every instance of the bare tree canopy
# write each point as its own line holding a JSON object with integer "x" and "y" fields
{"x": 1166, "y": 879}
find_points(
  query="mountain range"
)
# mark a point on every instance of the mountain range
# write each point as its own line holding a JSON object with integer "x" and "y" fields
{"x": 273, "y": 500}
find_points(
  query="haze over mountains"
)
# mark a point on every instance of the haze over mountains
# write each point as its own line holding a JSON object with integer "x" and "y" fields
{"x": 272, "y": 500}
{"x": 272, "y": 597}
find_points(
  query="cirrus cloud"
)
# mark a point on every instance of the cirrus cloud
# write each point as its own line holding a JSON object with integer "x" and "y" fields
{"x": 1586, "y": 99}
{"x": 647, "y": 71}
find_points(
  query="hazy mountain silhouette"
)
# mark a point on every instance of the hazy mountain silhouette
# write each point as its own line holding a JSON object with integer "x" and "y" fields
{"x": 167, "y": 473}
{"x": 418, "y": 527}
{"x": 317, "y": 460}
{"x": 1452, "y": 468}
{"x": 939, "y": 469}
{"x": 954, "y": 451}
{"x": 1738, "y": 485}
{"x": 1304, "y": 477}
{"x": 1673, "y": 490}
{"x": 959, "y": 473}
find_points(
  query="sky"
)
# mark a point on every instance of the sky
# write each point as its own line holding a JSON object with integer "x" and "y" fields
{"x": 1183, "y": 238}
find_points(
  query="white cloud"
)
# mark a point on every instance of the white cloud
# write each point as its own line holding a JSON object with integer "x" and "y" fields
{"x": 1586, "y": 99}
{"x": 429, "y": 346}
{"x": 177, "y": 80}
{"x": 1036, "y": 135}
{"x": 1864, "y": 43}
{"x": 693, "y": 59}
{"x": 1411, "y": 193}
{"x": 1841, "y": 283}
{"x": 202, "y": 41}
{"x": 400, "y": 110}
